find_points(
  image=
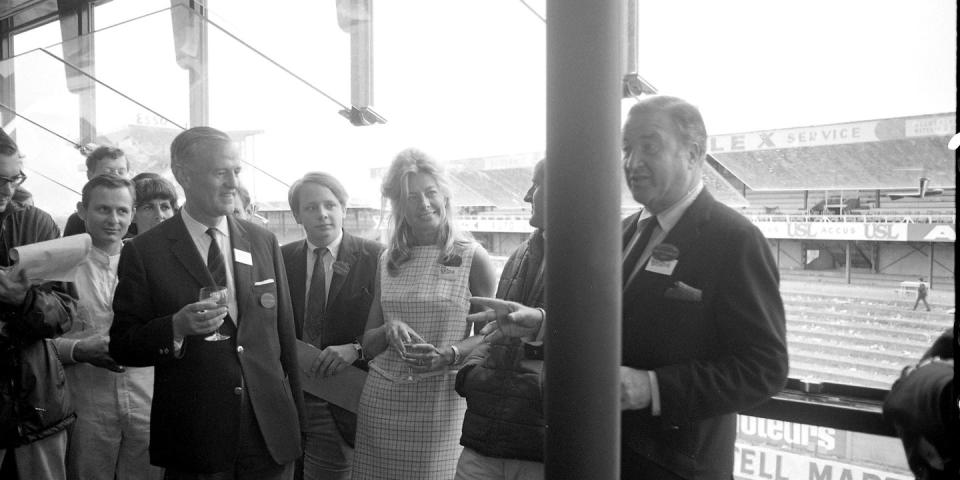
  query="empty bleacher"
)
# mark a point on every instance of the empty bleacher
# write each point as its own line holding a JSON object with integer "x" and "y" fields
{"x": 855, "y": 339}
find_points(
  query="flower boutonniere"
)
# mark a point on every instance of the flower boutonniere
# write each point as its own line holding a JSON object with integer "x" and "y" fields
{"x": 452, "y": 261}
{"x": 341, "y": 268}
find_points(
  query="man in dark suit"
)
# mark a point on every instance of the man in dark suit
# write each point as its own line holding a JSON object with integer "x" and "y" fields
{"x": 221, "y": 409}
{"x": 703, "y": 321}
{"x": 331, "y": 276}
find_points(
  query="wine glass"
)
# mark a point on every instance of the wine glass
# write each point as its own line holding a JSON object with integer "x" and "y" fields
{"x": 407, "y": 367}
{"x": 217, "y": 295}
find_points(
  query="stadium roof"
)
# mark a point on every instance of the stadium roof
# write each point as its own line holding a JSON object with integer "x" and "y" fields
{"x": 861, "y": 166}
{"x": 870, "y": 155}
{"x": 505, "y": 188}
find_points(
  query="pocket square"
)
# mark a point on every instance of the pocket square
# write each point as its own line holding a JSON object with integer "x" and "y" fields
{"x": 682, "y": 291}
{"x": 263, "y": 282}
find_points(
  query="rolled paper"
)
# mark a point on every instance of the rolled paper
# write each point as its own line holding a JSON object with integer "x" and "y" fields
{"x": 53, "y": 260}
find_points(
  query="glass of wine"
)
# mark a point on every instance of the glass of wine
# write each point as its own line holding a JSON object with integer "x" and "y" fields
{"x": 217, "y": 295}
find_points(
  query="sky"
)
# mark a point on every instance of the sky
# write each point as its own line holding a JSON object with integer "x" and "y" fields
{"x": 465, "y": 78}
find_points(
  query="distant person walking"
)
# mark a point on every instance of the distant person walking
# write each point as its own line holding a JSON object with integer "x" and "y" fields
{"x": 921, "y": 295}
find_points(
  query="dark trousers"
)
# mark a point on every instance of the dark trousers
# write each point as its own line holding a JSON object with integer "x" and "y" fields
{"x": 636, "y": 467}
{"x": 253, "y": 461}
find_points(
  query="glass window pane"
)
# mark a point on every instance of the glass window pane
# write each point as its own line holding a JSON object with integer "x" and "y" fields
{"x": 43, "y": 36}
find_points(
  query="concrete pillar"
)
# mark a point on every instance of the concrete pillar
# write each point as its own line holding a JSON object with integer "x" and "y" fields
{"x": 583, "y": 288}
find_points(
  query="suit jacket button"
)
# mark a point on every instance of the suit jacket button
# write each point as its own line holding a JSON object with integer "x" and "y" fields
{"x": 238, "y": 391}
{"x": 240, "y": 349}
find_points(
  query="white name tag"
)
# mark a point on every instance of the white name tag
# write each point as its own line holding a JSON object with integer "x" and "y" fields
{"x": 242, "y": 257}
{"x": 663, "y": 267}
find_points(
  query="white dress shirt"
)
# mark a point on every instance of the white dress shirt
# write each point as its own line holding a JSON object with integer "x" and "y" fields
{"x": 198, "y": 232}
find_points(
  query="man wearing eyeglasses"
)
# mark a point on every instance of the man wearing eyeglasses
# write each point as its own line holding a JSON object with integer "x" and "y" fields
{"x": 103, "y": 160}
{"x": 35, "y": 406}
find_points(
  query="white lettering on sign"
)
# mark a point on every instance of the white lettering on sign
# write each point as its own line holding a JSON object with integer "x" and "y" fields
{"x": 795, "y": 137}
{"x": 878, "y": 232}
{"x": 759, "y": 463}
{"x": 925, "y": 127}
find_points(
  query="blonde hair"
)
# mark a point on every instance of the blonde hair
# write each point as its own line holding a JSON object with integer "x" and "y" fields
{"x": 395, "y": 188}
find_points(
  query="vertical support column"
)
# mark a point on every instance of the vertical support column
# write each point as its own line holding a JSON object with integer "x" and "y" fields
{"x": 361, "y": 56}
{"x": 190, "y": 45}
{"x": 88, "y": 96}
{"x": 778, "y": 254}
{"x": 631, "y": 48}
{"x": 583, "y": 353}
{"x": 847, "y": 268}
{"x": 8, "y": 92}
{"x": 932, "y": 261}
{"x": 199, "y": 70}
{"x": 76, "y": 28}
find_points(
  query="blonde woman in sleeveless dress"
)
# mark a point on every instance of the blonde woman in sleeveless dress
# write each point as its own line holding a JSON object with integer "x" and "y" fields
{"x": 409, "y": 419}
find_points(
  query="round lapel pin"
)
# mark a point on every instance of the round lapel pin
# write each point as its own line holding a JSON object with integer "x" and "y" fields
{"x": 268, "y": 300}
{"x": 665, "y": 252}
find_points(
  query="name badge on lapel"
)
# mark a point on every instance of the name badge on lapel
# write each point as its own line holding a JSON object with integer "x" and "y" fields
{"x": 661, "y": 267}
{"x": 448, "y": 273}
{"x": 242, "y": 257}
{"x": 663, "y": 259}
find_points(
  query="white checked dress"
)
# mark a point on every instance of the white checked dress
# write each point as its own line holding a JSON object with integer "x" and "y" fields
{"x": 408, "y": 426}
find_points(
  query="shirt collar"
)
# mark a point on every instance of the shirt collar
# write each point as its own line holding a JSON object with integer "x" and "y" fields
{"x": 672, "y": 214}
{"x": 334, "y": 246}
{"x": 199, "y": 230}
{"x": 101, "y": 258}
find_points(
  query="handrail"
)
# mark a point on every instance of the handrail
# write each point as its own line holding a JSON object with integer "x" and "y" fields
{"x": 772, "y": 217}
{"x": 948, "y": 218}
{"x": 844, "y": 407}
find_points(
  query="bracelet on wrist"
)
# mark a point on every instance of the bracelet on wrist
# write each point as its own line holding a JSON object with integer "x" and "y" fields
{"x": 456, "y": 355}
{"x": 358, "y": 347}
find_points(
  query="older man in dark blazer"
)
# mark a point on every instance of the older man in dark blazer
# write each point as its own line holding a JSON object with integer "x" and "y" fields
{"x": 703, "y": 321}
{"x": 331, "y": 276}
{"x": 221, "y": 409}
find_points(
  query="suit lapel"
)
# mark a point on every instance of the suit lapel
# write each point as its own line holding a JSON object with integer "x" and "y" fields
{"x": 298, "y": 281}
{"x": 183, "y": 247}
{"x": 683, "y": 235}
{"x": 629, "y": 228}
{"x": 242, "y": 273}
{"x": 346, "y": 257}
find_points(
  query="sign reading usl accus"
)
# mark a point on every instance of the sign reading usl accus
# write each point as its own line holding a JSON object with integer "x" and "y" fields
{"x": 873, "y": 232}
{"x": 882, "y": 232}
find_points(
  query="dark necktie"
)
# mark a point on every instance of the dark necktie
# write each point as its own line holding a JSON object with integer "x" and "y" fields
{"x": 317, "y": 296}
{"x": 646, "y": 227}
{"x": 218, "y": 271}
{"x": 215, "y": 260}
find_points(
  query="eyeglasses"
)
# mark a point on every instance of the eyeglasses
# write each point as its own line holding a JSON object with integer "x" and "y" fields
{"x": 15, "y": 180}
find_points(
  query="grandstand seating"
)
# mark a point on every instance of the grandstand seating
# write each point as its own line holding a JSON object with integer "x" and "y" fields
{"x": 859, "y": 341}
